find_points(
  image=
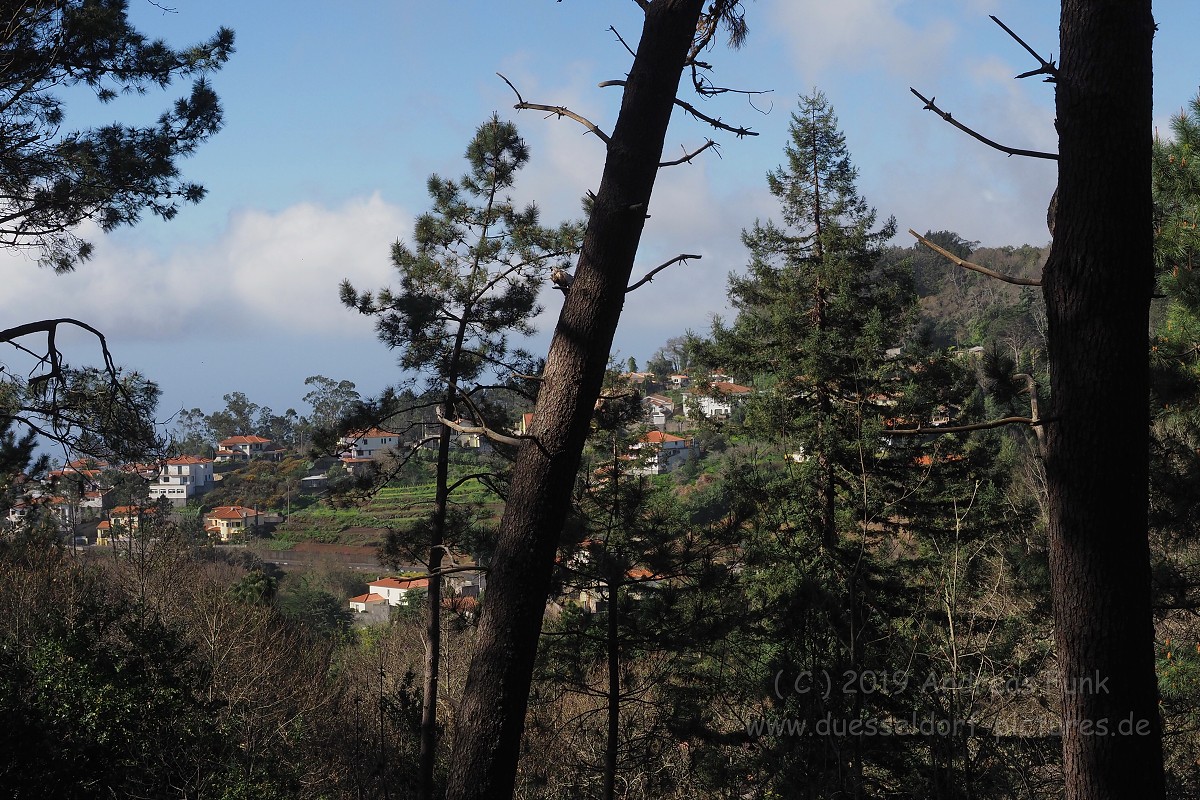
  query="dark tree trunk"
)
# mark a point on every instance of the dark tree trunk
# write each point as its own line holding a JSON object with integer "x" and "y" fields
{"x": 433, "y": 625}
{"x": 613, "y": 643}
{"x": 1097, "y": 285}
{"x": 492, "y": 715}
{"x": 427, "y": 758}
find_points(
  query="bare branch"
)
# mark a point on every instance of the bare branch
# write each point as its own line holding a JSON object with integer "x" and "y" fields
{"x": 1034, "y": 420}
{"x": 482, "y": 477}
{"x": 644, "y": 5}
{"x": 52, "y": 356}
{"x": 976, "y": 426}
{"x": 697, "y": 113}
{"x": 624, "y": 44}
{"x": 650, "y": 275}
{"x": 991, "y": 273}
{"x": 1047, "y": 68}
{"x": 483, "y": 430}
{"x": 687, "y": 159}
{"x": 1012, "y": 151}
{"x": 556, "y": 110}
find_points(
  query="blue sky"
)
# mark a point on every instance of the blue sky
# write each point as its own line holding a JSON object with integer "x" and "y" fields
{"x": 337, "y": 112}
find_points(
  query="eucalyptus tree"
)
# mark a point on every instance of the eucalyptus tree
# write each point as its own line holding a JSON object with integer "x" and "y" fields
{"x": 470, "y": 279}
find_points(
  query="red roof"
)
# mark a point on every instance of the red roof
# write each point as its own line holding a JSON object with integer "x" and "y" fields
{"x": 370, "y": 433}
{"x": 129, "y": 511}
{"x": 230, "y": 512}
{"x": 460, "y": 605}
{"x": 232, "y": 440}
{"x": 188, "y": 460}
{"x": 660, "y": 437}
{"x": 400, "y": 583}
{"x": 86, "y": 464}
{"x": 369, "y": 597}
{"x": 87, "y": 473}
{"x": 730, "y": 388}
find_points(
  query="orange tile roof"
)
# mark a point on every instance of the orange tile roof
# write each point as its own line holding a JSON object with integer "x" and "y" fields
{"x": 85, "y": 464}
{"x": 372, "y": 433}
{"x": 461, "y": 605}
{"x": 128, "y": 511}
{"x": 230, "y": 512}
{"x": 660, "y": 437}
{"x": 243, "y": 440}
{"x": 188, "y": 460}
{"x": 369, "y": 597}
{"x": 401, "y": 583}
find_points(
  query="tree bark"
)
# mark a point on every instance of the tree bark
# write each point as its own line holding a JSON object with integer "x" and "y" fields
{"x": 1097, "y": 284}
{"x": 487, "y": 742}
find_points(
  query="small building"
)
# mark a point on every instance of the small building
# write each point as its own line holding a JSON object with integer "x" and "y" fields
{"x": 394, "y": 589}
{"x": 227, "y": 522}
{"x": 660, "y": 452}
{"x": 182, "y": 478}
{"x": 373, "y": 443}
{"x": 244, "y": 448}
{"x": 372, "y": 607}
{"x": 718, "y": 400}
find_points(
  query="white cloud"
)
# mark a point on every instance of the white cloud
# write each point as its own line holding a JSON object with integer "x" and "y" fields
{"x": 268, "y": 271}
{"x": 857, "y": 35}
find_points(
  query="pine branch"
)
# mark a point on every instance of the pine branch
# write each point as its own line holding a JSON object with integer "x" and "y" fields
{"x": 650, "y": 275}
{"x": 687, "y": 159}
{"x": 991, "y": 273}
{"x": 1046, "y": 68}
{"x": 624, "y": 44}
{"x": 483, "y": 430}
{"x": 559, "y": 111}
{"x": 697, "y": 113}
{"x": 976, "y": 426}
{"x": 1012, "y": 151}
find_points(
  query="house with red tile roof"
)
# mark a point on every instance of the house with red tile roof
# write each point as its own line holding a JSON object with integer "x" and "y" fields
{"x": 394, "y": 589}
{"x": 716, "y": 400}
{"x": 227, "y": 522}
{"x": 244, "y": 448}
{"x": 182, "y": 478}
{"x": 370, "y": 444}
{"x": 656, "y": 452}
{"x": 122, "y": 521}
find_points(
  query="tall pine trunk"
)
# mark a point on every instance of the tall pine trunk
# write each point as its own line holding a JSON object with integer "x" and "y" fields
{"x": 492, "y": 715}
{"x": 1097, "y": 285}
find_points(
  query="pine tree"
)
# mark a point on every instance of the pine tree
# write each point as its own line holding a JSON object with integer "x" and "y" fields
{"x": 471, "y": 280}
{"x": 825, "y": 335}
{"x": 815, "y": 320}
{"x": 1175, "y": 438}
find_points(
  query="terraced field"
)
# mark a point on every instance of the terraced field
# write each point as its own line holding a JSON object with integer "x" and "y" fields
{"x": 391, "y": 507}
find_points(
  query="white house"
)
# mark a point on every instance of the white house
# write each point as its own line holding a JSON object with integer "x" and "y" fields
{"x": 372, "y": 443}
{"x": 226, "y": 522}
{"x": 719, "y": 400}
{"x": 182, "y": 478}
{"x": 244, "y": 448}
{"x": 393, "y": 589}
{"x": 663, "y": 452}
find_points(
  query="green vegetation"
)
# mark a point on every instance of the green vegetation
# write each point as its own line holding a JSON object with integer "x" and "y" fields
{"x": 846, "y": 588}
